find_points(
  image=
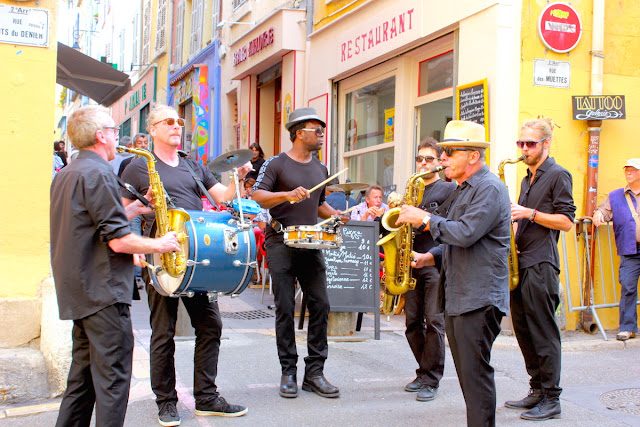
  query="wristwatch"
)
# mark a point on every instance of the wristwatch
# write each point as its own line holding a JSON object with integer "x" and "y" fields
{"x": 426, "y": 219}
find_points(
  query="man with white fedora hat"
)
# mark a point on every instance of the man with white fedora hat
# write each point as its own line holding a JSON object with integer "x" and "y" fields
{"x": 282, "y": 187}
{"x": 471, "y": 229}
{"x": 621, "y": 206}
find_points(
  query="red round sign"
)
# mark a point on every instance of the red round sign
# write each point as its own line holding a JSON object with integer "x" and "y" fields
{"x": 559, "y": 27}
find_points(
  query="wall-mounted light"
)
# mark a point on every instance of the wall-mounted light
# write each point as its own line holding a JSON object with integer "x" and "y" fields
{"x": 223, "y": 23}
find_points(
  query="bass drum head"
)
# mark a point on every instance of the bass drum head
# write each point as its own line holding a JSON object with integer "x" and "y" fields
{"x": 165, "y": 284}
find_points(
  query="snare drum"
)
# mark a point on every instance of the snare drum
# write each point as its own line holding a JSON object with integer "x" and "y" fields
{"x": 312, "y": 237}
{"x": 221, "y": 257}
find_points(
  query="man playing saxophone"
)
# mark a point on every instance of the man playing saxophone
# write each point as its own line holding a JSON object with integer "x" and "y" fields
{"x": 545, "y": 206}
{"x": 471, "y": 229}
{"x": 425, "y": 323}
{"x": 165, "y": 128}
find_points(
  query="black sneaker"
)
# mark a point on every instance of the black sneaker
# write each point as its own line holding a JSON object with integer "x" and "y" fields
{"x": 221, "y": 408}
{"x": 168, "y": 415}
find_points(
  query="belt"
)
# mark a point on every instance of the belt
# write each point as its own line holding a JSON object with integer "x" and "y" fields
{"x": 276, "y": 225}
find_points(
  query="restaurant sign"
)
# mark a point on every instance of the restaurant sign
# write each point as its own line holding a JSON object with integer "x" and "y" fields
{"x": 256, "y": 45}
{"x": 598, "y": 107}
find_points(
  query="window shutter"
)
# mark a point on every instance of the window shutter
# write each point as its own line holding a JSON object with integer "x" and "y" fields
{"x": 196, "y": 27}
{"x": 161, "y": 26}
{"x": 146, "y": 33}
{"x": 177, "y": 61}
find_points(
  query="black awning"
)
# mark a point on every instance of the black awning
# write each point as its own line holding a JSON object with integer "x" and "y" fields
{"x": 90, "y": 77}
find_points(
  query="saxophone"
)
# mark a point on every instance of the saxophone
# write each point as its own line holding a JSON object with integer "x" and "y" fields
{"x": 514, "y": 276}
{"x": 173, "y": 263}
{"x": 398, "y": 244}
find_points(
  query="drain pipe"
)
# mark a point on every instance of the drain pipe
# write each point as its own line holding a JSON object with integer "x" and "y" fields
{"x": 593, "y": 158}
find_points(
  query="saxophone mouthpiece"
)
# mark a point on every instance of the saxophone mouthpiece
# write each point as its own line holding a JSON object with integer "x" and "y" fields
{"x": 437, "y": 169}
{"x": 122, "y": 148}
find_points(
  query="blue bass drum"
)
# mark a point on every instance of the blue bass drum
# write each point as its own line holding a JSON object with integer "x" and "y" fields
{"x": 220, "y": 257}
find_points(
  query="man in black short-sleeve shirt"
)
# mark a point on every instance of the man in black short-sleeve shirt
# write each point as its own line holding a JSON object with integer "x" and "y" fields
{"x": 165, "y": 127}
{"x": 282, "y": 187}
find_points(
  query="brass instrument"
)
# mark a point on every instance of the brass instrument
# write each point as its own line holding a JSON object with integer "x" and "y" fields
{"x": 398, "y": 244}
{"x": 514, "y": 276}
{"x": 173, "y": 263}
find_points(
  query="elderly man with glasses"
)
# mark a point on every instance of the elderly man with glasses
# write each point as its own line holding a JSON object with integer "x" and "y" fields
{"x": 91, "y": 247}
{"x": 471, "y": 229}
{"x": 545, "y": 208}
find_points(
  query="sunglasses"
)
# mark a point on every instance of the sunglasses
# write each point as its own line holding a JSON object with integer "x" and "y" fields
{"x": 449, "y": 150}
{"x": 529, "y": 144}
{"x": 319, "y": 131}
{"x": 420, "y": 159}
{"x": 170, "y": 121}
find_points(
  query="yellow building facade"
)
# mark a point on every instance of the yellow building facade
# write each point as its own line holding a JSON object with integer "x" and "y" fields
{"x": 28, "y": 88}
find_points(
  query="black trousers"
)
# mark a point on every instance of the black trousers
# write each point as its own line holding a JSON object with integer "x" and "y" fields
{"x": 533, "y": 305}
{"x": 307, "y": 266}
{"x": 471, "y": 336}
{"x": 425, "y": 326}
{"x": 207, "y": 322}
{"x": 100, "y": 371}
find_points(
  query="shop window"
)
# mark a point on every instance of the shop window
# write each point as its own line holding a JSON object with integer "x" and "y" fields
{"x": 433, "y": 118}
{"x": 436, "y": 73}
{"x": 125, "y": 128}
{"x": 144, "y": 113}
{"x": 370, "y": 115}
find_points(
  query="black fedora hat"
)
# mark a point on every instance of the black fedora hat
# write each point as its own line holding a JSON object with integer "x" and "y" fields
{"x": 303, "y": 115}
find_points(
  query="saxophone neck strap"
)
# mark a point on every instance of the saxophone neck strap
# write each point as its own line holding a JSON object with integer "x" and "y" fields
{"x": 196, "y": 178}
{"x": 133, "y": 191}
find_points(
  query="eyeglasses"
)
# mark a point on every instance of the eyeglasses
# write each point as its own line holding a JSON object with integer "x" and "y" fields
{"x": 449, "y": 150}
{"x": 115, "y": 128}
{"x": 170, "y": 121}
{"x": 529, "y": 144}
{"x": 429, "y": 159}
{"x": 319, "y": 131}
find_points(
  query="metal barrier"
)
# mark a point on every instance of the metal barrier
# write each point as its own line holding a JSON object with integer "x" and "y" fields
{"x": 608, "y": 297}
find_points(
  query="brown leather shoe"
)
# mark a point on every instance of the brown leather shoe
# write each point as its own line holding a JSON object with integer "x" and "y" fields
{"x": 533, "y": 398}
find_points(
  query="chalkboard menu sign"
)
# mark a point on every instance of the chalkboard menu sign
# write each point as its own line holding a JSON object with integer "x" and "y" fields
{"x": 353, "y": 280}
{"x": 473, "y": 104}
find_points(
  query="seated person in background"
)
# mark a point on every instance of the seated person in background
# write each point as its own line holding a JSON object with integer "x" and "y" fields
{"x": 248, "y": 187}
{"x": 372, "y": 207}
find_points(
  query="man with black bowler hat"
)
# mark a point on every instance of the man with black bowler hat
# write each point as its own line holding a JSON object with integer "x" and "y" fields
{"x": 282, "y": 187}
{"x": 425, "y": 323}
{"x": 545, "y": 208}
{"x": 471, "y": 229}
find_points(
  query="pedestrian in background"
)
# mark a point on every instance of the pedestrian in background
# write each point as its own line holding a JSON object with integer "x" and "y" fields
{"x": 621, "y": 206}
{"x": 256, "y": 161}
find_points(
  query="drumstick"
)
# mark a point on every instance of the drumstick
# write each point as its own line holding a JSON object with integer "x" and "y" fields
{"x": 324, "y": 182}
{"x": 329, "y": 219}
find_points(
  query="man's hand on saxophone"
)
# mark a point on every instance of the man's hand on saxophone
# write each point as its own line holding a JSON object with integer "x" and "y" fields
{"x": 414, "y": 216}
{"x": 419, "y": 260}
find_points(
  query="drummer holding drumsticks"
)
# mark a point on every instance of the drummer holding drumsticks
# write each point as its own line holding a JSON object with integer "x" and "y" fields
{"x": 282, "y": 187}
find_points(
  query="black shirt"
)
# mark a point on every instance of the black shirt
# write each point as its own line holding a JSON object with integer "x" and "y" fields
{"x": 282, "y": 173}
{"x": 86, "y": 213}
{"x": 473, "y": 242}
{"x": 434, "y": 195}
{"x": 551, "y": 192}
{"x": 177, "y": 181}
